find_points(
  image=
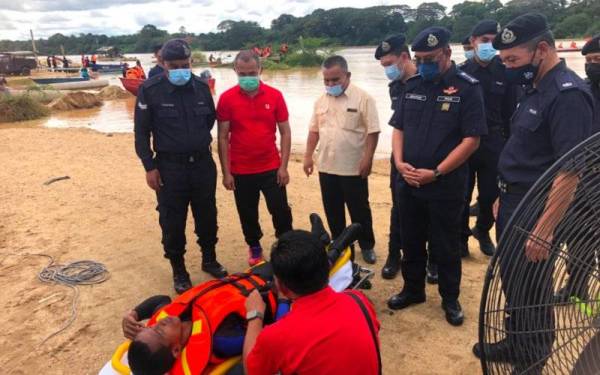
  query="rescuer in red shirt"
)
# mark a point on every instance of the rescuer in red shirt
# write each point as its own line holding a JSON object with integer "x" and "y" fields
{"x": 249, "y": 115}
{"x": 324, "y": 333}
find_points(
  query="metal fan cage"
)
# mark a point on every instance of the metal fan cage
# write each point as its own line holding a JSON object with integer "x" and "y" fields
{"x": 544, "y": 334}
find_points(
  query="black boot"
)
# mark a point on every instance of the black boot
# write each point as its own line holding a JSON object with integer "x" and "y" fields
{"x": 474, "y": 210}
{"x": 210, "y": 264}
{"x": 392, "y": 265}
{"x": 181, "y": 278}
{"x": 485, "y": 242}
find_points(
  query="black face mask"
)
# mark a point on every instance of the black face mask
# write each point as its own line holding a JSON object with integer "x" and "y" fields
{"x": 523, "y": 75}
{"x": 592, "y": 70}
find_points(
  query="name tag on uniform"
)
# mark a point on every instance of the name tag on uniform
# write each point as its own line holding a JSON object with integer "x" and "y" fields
{"x": 411, "y": 96}
{"x": 448, "y": 99}
{"x": 169, "y": 105}
{"x": 354, "y": 110}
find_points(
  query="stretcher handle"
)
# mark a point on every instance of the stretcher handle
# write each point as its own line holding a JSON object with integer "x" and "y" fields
{"x": 345, "y": 239}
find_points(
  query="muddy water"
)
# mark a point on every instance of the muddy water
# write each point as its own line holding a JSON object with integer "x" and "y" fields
{"x": 300, "y": 87}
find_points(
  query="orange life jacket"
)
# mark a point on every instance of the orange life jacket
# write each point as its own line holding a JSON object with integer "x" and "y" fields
{"x": 212, "y": 302}
{"x": 133, "y": 73}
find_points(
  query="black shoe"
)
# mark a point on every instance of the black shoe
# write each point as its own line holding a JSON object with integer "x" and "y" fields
{"x": 432, "y": 273}
{"x": 474, "y": 209}
{"x": 454, "y": 313}
{"x": 496, "y": 352}
{"x": 392, "y": 266}
{"x": 181, "y": 278}
{"x": 405, "y": 299}
{"x": 485, "y": 242}
{"x": 215, "y": 269}
{"x": 368, "y": 255}
{"x": 463, "y": 248}
{"x": 569, "y": 290}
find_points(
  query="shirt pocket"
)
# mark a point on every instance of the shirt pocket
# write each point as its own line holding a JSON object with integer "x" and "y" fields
{"x": 413, "y": 110}
{"x": 202, "y": 111}
{"x": 352, "y": 121}
{"x": 528, "y": 123}
{"x": 168, "y": 116}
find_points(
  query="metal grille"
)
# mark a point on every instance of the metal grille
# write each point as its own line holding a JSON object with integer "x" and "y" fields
{"x": 534, "y": 330}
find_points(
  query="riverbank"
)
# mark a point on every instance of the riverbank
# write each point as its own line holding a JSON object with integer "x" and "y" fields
{"x": 105, "y": 212}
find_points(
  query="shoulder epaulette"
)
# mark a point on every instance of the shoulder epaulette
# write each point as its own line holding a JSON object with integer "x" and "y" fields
{"x": 154, "y": 81}
{"x": 566, "y": 81}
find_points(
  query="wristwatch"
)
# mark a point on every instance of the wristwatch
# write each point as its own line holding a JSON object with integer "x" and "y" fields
{"x": 436, "y": 174}
{"x": 254, "y": 314}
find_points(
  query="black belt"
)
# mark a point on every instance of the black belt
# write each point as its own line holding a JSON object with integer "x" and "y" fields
{"x": 185, "y": 158}
{"x": 507, "y": 188}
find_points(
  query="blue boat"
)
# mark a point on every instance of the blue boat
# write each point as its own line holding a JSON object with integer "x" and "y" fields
{"x": 106, "y": 68}
{"x": 50, "y": 81}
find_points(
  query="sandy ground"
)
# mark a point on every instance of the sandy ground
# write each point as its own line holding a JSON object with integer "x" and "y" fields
{"x": 107, "y": 213}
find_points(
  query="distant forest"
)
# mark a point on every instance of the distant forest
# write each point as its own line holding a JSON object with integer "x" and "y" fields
{"x": 340, "y": 26}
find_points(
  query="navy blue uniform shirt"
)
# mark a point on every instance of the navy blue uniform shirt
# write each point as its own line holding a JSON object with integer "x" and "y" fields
{"x": 397, "y": 88}
{"x": 179, "y": 119}
{"x": 550, "y": 120}
{"x": 595, "y": 89}
{"x": 435, "y": 117}
{"x": 500, "y": 97}
{"x": 156, "y": 70}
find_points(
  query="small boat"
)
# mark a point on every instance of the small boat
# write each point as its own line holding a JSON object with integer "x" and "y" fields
{"x": 106, "y": 68}
{"x": 50, "y": 81}
{"x": 132, "y": 84}
{"x": 80, "y": 85}
{"x": 572, "y": 48}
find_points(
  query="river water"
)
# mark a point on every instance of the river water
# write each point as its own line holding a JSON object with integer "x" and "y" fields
{"x": 300, "y": 87}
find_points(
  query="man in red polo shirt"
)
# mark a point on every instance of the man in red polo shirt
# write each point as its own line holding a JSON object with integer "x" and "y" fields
{"x": 249, "y": 115}
{"x": 324, "y": 333}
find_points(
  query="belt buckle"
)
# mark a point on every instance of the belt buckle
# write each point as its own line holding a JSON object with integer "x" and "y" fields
{"x": 191, "y": 159}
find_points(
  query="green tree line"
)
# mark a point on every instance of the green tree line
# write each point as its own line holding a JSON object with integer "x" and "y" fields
{"x": 340, "y": 26}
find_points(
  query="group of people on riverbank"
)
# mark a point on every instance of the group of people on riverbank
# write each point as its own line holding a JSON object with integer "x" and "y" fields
{"x": 500, "y": 120}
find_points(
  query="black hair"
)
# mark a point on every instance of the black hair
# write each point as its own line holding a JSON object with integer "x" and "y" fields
{"x": 246, "y": 56}
{"x": 156, "y": 48}
{"x": 142, "y": 361}
{"x": 334, "y": 60}
{"x": 546, "y": 36}
{"x": 300, "y": 262}
{"x": 401, "y": 50}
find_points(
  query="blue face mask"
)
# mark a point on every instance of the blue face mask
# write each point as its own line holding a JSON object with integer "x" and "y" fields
{"x": 179, "y": 77}
{"x": 336, "y": 90}
{"x": 393, "y": 72}
{"x": 429, "y": 71}
{"x": 469, "y": 54}
{"x": 485, "y": 51}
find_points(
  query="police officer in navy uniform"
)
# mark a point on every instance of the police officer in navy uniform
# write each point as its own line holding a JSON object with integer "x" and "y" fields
{"x": 394, "y": 56}
{"x": 500, "y": 99}
{"x": 176, "y": 109}
{"x": 553, "y": 116}
{"x": 577, "y": 282}
{"x": 591, "y": 51}
{"x": 437, "y": 128}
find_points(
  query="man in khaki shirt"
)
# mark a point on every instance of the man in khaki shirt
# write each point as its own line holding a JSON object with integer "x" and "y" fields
{"x": 345, "y": 125}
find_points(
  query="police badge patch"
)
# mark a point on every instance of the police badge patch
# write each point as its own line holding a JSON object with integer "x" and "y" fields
{"x": 432, "y": 40}
{"x": 385, "y": 47}
{"x": 508, "y": 36}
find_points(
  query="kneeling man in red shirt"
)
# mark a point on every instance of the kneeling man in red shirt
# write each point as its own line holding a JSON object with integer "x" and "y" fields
{"x": 324, "y": 333}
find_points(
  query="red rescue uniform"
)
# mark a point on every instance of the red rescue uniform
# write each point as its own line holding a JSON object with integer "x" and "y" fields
{"x": 325, "y": 333}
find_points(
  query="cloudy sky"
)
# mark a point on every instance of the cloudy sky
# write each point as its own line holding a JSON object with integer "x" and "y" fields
{"x": 114, "y": 17}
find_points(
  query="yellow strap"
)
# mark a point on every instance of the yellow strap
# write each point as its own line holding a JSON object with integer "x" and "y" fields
{"x": 115, "y": 361}
{"x": 226, "y": 366}
{"x": 340, "y": 261}
{"x": 184, "y": 362}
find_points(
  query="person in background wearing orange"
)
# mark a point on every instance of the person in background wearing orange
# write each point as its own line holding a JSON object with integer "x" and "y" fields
{"x": 94, "y": 59}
